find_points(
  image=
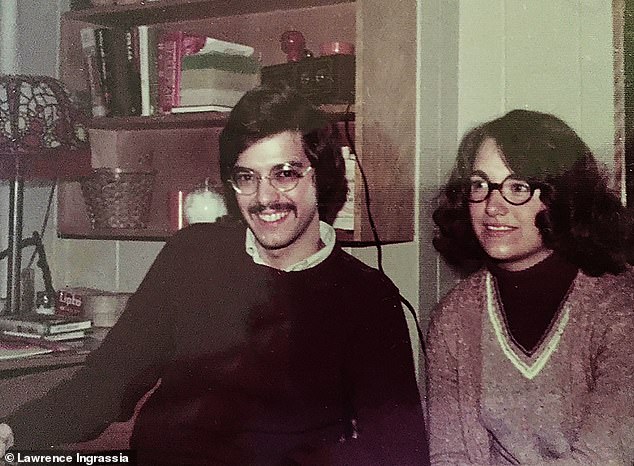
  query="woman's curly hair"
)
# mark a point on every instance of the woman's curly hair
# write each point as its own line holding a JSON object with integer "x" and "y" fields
{"x": 584, "y": 220}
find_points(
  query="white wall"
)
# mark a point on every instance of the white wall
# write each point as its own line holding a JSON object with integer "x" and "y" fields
{"x": 549, "y": 55}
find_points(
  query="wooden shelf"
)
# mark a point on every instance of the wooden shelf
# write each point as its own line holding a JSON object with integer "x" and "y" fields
{"x": 186, "y": 120}
{"x": 337, "y": 112}
{"x": 184, "y": 147}
{"x": 141, "y": 234}
{"x": 346, "y": 237}
{"x": 171, "y": 11}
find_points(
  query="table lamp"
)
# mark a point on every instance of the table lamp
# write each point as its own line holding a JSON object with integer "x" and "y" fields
{"x": 43, "y": 135}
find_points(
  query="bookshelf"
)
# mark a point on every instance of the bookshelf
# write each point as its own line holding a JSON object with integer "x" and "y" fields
{"x": 184, "y": 147}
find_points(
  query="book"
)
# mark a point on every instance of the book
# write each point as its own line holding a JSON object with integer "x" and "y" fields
{"x": 118, "y": 71}
{"x": 221, "y": 97}
{"x": 43, "y": 324}
{"x": 200, "y": 108}
{"x": 64, "y": 336}
{"x": 212, "y": 44}
{"x": 16, "y": 349}
{"x": 221, "y": 61}
{"x": 219, "y": 79}
{"x": 91, "y": 62}
{"x": 147, "y": 50}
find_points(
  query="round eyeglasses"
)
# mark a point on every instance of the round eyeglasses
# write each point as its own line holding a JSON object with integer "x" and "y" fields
{"x": 515, "y": 191}
{"x": 282, "y": 177}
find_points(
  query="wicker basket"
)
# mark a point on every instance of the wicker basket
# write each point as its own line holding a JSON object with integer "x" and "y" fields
{"x": 118, "y": 198}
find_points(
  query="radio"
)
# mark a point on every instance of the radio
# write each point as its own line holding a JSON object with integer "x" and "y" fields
{"x": 323, "y": 80}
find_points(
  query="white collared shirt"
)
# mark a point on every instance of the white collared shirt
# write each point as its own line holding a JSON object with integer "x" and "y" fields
{"x": 327, "y": 235}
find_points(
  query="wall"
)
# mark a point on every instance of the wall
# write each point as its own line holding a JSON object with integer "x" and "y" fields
{"x": 477, "y": 60}
{"x": 554, "y": 56}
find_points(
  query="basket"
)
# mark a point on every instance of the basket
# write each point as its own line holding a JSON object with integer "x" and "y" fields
{"x": 118, "y": 198}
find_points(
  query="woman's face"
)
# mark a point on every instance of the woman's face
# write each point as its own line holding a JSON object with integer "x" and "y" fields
{"x": 506, "y": 232}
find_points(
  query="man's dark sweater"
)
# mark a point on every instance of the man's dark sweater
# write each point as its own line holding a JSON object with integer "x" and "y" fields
{"x": 257, "y": 366}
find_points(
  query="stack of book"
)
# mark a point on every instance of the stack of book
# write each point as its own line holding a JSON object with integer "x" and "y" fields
{"x": 45, "y": 327}
{"x": 199, "y": 73}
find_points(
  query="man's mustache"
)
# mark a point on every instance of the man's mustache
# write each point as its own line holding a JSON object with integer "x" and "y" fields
{"x": 259, "y": 208}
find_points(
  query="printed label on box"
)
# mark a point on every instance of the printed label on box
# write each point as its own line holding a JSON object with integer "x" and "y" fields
{"x": 69, "y": 303}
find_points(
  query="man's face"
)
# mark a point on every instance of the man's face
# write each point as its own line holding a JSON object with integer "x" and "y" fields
{"x": 285, "y": 224}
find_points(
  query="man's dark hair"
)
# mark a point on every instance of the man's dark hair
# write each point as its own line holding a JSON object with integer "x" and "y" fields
{"x": 584, "y": 220}
{"x": 264, "y": 112}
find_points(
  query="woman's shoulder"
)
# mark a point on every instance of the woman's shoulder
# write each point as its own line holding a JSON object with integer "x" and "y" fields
{"x": 469, "y": 287}
{"x": 614, "y": 293}
{"x": 465, "y": 298}
{"x": 621, "y": 285}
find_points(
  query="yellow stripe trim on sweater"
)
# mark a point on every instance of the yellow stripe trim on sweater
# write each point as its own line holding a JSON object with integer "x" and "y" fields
{"x": 528, "y": 371}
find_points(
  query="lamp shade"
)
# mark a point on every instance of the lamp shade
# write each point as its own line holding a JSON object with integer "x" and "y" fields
{"x": 41, "y": 131}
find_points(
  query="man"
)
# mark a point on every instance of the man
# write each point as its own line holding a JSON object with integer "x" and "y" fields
{"x": 272, "y": 345}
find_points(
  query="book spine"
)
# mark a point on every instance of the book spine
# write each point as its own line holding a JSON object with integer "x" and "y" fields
{"x": 122, "y": 78}
{"x": 97, "y": 96}
{"x": 148, "y": 69}
{"x": 33, "y": 328}
{"x": 133, "y": 75}
{"x": 144, "y": 69}
{"x": 104, "y": 78}
{"x": 170, "y": 52}
{"x": 222, "y": 97}
{"x": 153, "y": 78}
{"x": 102, "y": 37}
{"x": 68, "y": 327}
{"x": 218, "y": 79}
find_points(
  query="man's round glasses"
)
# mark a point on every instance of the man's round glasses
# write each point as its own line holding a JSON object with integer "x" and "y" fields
{"x": 282, "y": 177}
{"x": 515, "y": 191}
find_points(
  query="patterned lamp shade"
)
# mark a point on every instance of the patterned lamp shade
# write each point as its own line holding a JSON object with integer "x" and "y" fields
{"x": 41, "y": 130}
{"x": 42, "y": 136}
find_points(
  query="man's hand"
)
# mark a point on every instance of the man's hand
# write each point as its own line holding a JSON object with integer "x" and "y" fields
{"x": 6, "y": 439}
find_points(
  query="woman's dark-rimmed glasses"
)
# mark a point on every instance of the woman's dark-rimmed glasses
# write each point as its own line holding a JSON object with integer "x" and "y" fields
{"x": 282, "y": 177}
{"x": 514, "y": 190}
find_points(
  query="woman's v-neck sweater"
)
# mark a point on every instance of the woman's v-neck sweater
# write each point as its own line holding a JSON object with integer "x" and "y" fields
{"x": 598, "y": 371}
{"x": 530, "y": 298}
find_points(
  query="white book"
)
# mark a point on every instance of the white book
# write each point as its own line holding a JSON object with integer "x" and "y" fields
{"x": 200, "y": 108}
{"x": 73, "y": 335}
{"x": 345, "y": 217}
{"x": 144, "y": 70}
{"x": 232, "y": 48}
{"x": 14, "y": 350}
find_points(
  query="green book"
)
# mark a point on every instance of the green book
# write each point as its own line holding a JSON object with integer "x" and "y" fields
{"x": 221, "y": 61}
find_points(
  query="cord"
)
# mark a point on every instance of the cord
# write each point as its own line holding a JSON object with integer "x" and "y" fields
{"x": 366, "y": 191}
{"x": 375, "y": 233}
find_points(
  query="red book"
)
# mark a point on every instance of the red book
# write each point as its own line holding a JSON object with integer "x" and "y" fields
{"x": 172, "y": 47}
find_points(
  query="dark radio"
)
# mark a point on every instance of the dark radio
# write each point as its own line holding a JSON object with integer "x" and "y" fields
{"x": 323, "y": 80}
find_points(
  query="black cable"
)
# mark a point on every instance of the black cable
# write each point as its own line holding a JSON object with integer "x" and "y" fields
{"x": 366, "y": 190}
{"x": 375, "y": 233}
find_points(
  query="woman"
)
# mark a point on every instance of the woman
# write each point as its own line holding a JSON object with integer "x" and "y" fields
{"x": 530, "y": 356}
